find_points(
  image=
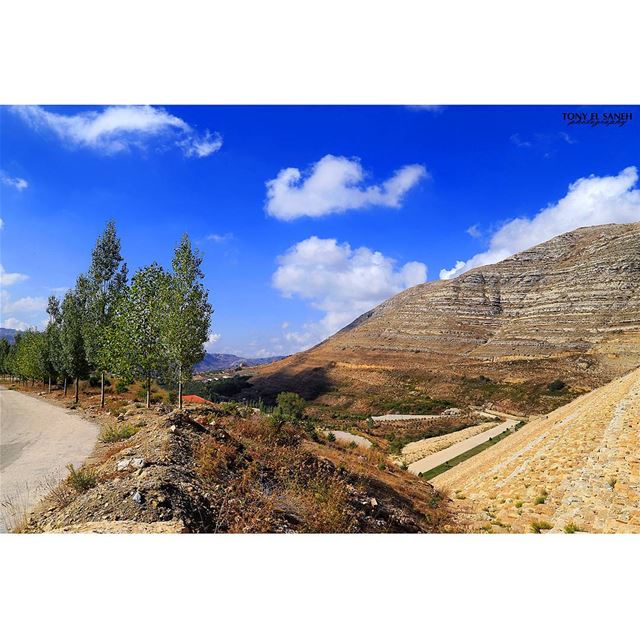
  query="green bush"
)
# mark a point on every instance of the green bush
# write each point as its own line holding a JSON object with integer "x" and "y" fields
{"x": 94, "y": 381}
{"x": 556, "y": 385}
{"x": 82, "y": 479}
{"x": 290, "y": 406}
{"x": 121, "y": 386}
{"x": 119, "y": 431}
{"x": 330, "y": 436}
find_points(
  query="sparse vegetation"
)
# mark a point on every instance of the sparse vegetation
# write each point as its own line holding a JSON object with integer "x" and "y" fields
{"x": 556, "y": 385}
{"x": 81, "y": 479}
{"x": 117, "y": 432}
{"x": 538, "y": 526}
{"x": 541, "y": 498}
{"x": 571, "y": 528}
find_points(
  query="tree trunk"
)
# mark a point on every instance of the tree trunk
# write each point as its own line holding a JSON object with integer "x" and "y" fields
{"x": 102, "y": 390}
{"x": 65, "y": 386}
{"x": 148, "y": 391}
{"x": 77, "y": 389}
{"x": 49, "y": 384}
{"x": 180, "y": 394}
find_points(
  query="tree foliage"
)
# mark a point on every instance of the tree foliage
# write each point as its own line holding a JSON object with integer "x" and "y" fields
{"x": 153, "y": 328}
{"x": 188, "y": 314}
{"x": 134, "y": 339}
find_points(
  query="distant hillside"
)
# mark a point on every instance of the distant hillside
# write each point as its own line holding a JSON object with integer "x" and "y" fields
{"x": 219, "y": 361}
{"x": 8, "y": 334}
{"x": 566, "y": 309}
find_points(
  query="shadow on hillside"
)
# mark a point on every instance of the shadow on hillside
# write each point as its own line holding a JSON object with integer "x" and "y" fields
{"x": 310, "y": 384}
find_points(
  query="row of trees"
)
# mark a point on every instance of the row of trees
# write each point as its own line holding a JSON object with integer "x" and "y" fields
{"x": 151, "y": 327}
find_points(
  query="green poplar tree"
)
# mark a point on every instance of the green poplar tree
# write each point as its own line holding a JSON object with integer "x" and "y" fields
{"x": 134, "y": 345}
{"x": 55, "y": 363}
{"x": 100, "y": 290}
{"x": 188, "y": 318}
{"x": 72, "y": 345}
{"x": 4, "y": 355}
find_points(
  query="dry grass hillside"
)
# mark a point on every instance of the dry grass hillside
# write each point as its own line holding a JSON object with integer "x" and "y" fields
{"x": 576, "y": 469}
{"x": 228, "y": 468}
{"x": 567, "y": 309}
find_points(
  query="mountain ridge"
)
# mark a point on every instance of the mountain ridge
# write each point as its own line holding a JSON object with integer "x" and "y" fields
{"x": 567, "y": 308}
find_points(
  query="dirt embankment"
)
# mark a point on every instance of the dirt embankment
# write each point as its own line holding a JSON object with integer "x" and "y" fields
{"x": 576, "y": 469}
{"x": 227, "y": 469}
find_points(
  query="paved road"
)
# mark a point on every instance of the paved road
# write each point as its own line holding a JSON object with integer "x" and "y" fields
{"x": 37, "y": 441}
{"x": 400, "y": 417}
{"x": 436, "y": 459}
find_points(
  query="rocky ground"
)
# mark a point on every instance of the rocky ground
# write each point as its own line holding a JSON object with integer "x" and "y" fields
{"x": 576, "y": 469}
{"x": 226, "y": 468}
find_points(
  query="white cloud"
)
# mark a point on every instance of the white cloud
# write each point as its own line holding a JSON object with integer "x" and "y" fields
{"x": 1, "y": 224}
{"x": 590, "y": 201}
{"x": 14, "y": 323}
{"x": 518, "y": 141}
{"x": 431, "y": 108}
{"x": 17, "y": 183}
{"x": 334, "y": 185}
{"x": 213, "y": 338}
{"x": 220, "y": 237}
{"x": 474, "y": 231}
{"x": 202, "y": 146}
{"x": 7, "y": 279}
{"x": 116, "y": 129}
{"x": 340, "y": 281}
{"x": 23, "y": 312}
{"x": 27, "y": 305}
{"x": 566, "y": 137}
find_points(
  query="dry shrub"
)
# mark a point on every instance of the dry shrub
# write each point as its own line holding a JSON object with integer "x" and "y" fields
{"x": 15, "y": 511}
{"x": 214, "y": 460}
{"x": 59, "y": 494}
{"x": 327, "y": 507}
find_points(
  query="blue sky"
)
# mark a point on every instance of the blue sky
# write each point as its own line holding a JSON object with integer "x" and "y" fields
{"x": 382, "y": 198}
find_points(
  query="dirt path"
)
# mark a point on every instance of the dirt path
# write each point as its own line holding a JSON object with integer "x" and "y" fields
{"x": 401, "y": 417}
{"x": 37, "y": 441}
{"x": 419, "y": 449}
{"x": 577, "y": 468}
{"x": 345, "y": 436}
{"x": 436, "y": 459}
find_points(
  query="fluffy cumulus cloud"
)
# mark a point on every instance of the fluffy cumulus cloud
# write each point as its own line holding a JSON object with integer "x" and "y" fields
{"x": 7, "y": 279}
{"x": 590, "y": 201}
{"x": 17, "y": 183}
{"x": 340, "y": 281}
{"x": 21, "y": 313}
{"x": 334, "y": 185}
{"x": 115, "y": 129}
{"x": 209, "y": 344}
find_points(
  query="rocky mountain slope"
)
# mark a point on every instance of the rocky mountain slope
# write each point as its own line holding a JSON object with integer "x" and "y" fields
{"x": 220, "y": 361}
{"x": 576, "y": 469}
{"x": 568, "y": 308}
